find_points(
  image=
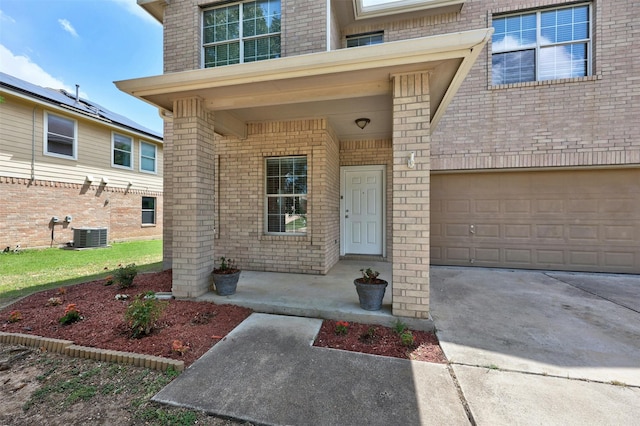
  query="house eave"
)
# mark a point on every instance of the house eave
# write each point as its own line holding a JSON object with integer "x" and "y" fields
{"x": 400, "y": 7}
{"x": 337, "y": 74}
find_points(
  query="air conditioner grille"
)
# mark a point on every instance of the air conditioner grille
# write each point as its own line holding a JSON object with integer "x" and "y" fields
{"x": 89, "y": 237}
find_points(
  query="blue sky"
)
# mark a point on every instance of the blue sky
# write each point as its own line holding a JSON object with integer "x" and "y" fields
{"x": 61, "y": 43}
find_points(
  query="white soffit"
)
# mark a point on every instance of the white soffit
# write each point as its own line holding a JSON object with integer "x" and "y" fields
{"x": 380, "y": 9}
{"x": 243, "y": 91}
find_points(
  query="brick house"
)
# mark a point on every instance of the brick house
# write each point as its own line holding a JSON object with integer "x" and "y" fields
{"x": 68, "y": 158}
{"x": 299, "y": 132}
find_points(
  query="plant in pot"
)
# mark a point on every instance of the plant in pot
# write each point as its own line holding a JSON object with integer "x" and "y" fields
{"x": 370, "y": 289}
{"x": 225, "y": 277}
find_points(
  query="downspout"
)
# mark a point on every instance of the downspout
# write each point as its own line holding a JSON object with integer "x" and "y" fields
{"x": 33, "y": 145}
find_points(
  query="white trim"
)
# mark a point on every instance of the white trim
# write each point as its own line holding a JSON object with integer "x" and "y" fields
{"x": 155, "y": 158}
{"x": 343, "y": 187}
{"x": 119, "y": 166}
{"x": 45, "y": 142}
{"x": 401, "y": 6}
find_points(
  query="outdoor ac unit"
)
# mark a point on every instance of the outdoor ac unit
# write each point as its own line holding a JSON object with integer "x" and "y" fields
{"x": 89, "y": 237}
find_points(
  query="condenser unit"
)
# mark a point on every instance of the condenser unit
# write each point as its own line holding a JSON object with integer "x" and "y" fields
{"x": 89, "y": 237}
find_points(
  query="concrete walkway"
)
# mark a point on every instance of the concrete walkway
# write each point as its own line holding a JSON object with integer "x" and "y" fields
{"x": 525, "y": 348}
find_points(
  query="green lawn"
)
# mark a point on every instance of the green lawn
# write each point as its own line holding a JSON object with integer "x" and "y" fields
{"x": 30, "y": 271}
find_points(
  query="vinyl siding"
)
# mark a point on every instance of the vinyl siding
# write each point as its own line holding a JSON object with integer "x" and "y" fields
{"x": 93, "y": 152}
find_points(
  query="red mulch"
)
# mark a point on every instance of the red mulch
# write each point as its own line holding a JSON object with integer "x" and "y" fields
{"x": 198, "y": 325}
{"x": 380, "y": 340}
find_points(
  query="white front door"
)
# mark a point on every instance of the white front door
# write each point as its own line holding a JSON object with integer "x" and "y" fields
{"x": 363, "y": 210}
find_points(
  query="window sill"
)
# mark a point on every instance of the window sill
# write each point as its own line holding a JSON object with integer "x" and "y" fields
{"x": 148, "y": 225}
{"x": 285, "y": 237}
{"x": 545, "y": 82}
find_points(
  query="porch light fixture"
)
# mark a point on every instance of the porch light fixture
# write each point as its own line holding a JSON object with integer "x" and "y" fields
{"x": 411, "y": 162}
{"x": 362, "y": 122}
{"x": 105, "y": 180}
{"x": 88, "y": 178}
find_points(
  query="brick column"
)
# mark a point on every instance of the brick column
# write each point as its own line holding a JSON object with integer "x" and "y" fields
{"x": 410, "y": 217}
{"x": 167, "y": 196}
{"x": 192, "y": 163}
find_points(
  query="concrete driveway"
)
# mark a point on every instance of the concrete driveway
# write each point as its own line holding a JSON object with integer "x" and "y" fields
{"x": 526, "y": 348}
{"x": 531, "y": 347}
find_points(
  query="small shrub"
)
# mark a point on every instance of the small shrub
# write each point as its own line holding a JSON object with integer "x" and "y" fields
{"x": 369, "y": 275}
{"x": 226, "y": 266}
{"x": 62, "y": 291}
{"x": 179, "y": 347}
{"x": 142, "y": 314}
{"x": 108, "y": 280}
{"x": 54, "y": 301}
{"x": 342, "y": 328}
{"x": 399, "y": 327}
{"x": 71, "y": 315}
{"x": 407, "y": 338}
{"x": 124, "y": 275}
{"x": 15, "y": 316}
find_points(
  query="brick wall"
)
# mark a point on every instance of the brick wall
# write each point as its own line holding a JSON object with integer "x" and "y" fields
{"x": 303, "y": 31}
{"x": 572, "y": 122}
{"x": 26, "y": 210}
{"x": 304, "y": 27}
{"x": 240, "y": 229}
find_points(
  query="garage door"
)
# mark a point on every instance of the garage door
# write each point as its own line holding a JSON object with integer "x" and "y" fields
{"x": 560, "y": 220}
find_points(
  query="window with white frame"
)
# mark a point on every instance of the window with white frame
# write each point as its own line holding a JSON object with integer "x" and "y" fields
{"x": 60, "y": 136}
{"x": 148, "y": 157}
{"x": 542, "y": 45}
{"x": 286, "y": 192}
{"x": 367, "y": 39}
{"x": 148, "y": 210}
{"x": 242, "y": 32}
{"x": 121, "y": 150}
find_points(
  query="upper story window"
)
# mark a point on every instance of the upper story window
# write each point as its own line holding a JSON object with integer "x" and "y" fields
{"x": 542, "y": 45}
{"x": 148, "y": 153}
{"x": 365, "y": 39}
{"x": 241, "y": 32}
{"x": 60, "y": 136}
{"x": 286, "y": 195}
{"x": 122, "y": 150}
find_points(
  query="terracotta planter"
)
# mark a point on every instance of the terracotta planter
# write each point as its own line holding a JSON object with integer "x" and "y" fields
{"x": 225, "y": 284}
{"x": 370, "y": 295}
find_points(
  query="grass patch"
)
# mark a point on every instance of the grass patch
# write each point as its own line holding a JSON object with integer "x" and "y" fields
{"x": 30, "y": 271}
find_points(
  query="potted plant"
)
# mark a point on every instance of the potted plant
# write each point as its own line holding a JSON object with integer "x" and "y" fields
{"x": 225, "y": 277}
{"x": 370, "y": 289}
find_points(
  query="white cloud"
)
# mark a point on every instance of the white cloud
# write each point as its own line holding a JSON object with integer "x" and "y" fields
{"x": 132, "y": 7}
{"x": 66, "y": 25}
{"x": 23, "y": 68}
{"x": 7, "y": 18}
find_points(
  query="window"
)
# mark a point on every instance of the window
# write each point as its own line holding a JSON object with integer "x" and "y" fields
{"x": 147, "y": 157}
{"x": 542, "y": 45}
{"x": 242, "y": 32}
{"x": 148, "y": 210}
{"x": 287, "y": 195}
{"x": 122, "y": 150}
{"x": 60, "y": 134}
{"x": 365, "y": 39}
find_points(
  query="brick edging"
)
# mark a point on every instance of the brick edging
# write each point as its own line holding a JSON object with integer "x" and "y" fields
{"x": 66, "y": 347}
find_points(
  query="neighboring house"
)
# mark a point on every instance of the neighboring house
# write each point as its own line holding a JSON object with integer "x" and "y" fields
{"x": 68, "y": 158}
{"x": 534, "y": 163}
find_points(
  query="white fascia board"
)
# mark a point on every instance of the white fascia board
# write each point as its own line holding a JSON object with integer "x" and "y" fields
{"x": 396, "y": 7}
{"x": 412, "y": 51}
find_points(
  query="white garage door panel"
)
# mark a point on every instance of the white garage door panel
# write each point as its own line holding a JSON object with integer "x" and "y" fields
{"x": 566, "y": 220}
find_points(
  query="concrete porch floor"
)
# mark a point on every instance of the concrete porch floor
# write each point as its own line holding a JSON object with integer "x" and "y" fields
{"x": 331, "y": 296}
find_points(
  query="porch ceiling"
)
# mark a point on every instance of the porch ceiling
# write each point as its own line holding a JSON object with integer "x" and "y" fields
{"x": 341, "y": 85}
